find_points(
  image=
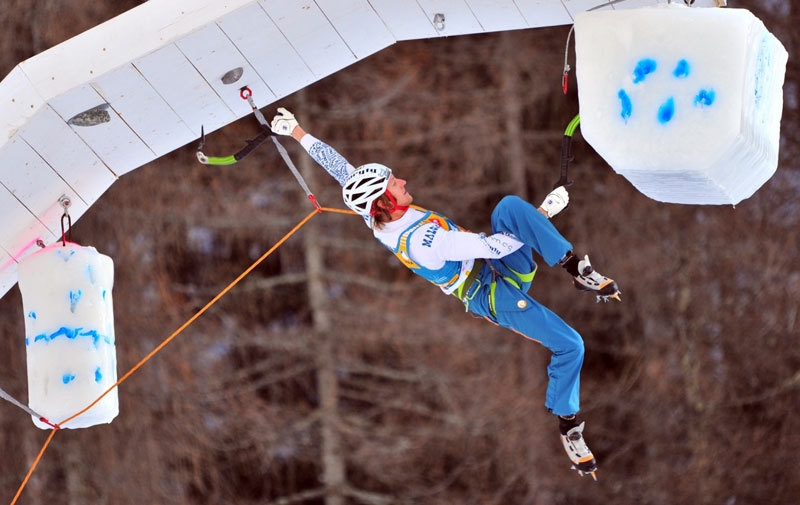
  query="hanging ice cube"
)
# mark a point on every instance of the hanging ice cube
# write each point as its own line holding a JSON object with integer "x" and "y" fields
{"x": 69, "y": 334}
{"x": 683, "y": 102}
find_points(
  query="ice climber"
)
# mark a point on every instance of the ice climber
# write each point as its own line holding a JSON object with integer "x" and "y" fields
{"x": 490, "y": 274}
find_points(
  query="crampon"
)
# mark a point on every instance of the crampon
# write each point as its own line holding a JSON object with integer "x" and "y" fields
{"x": 590, "y": 280}
{"x": 582, "y": 458}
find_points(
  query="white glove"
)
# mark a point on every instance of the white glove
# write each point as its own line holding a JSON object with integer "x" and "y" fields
{"x": 284, "y": 122}
{"x": 556, "y": 201}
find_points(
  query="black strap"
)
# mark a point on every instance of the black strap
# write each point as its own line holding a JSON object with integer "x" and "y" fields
{"x": 462, "y": 290}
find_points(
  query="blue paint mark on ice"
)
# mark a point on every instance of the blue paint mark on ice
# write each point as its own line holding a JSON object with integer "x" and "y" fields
{"x": 65, "y": 255}
{"x": 98, "y": 376}
{"x": 32, "y": 315}
{"x": 645, "y": 67}
{"x": 67, "y": 378}
{"x": 682, "y": 69}
{"x": 705, "y": 97}
{"x": 764, "y": 63}
{"x": 627, "y": 105}
{"x": 96, "y": 337}
{"x": 72, "y": 334}
{"x": 74, "y": 298}
{"x": 666, "y": 111}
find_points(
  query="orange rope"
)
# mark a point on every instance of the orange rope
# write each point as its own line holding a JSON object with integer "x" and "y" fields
{"x": 337, "y": 211}
{"x": 171, "y": 337}
{"x": 33, "y": 466}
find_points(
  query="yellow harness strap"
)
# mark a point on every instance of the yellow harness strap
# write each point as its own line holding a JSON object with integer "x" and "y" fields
{"x": 522, "y": 278}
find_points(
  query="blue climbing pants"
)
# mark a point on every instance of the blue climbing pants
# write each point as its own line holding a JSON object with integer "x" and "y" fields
{"x": 512, "y": 307}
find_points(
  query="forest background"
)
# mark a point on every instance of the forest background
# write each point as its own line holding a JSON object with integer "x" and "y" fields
{"x": 332, "y": 375}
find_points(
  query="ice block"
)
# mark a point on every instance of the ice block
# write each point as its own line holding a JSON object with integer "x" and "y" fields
{"x": 69, "y": 334}
{"x": 683, "y": 102}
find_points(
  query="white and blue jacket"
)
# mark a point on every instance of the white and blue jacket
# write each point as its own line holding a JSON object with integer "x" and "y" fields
{"x": 428, "y": 243}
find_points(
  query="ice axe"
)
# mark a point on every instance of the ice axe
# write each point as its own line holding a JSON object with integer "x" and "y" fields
{"x": 566, "y": 152}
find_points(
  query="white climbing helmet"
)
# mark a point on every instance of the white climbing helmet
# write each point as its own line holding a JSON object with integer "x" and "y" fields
{"x": 364, "y": 186}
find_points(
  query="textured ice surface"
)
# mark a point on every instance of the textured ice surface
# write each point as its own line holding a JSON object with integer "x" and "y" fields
{"x": 683, "y": 102}
{"x": 69, "y": 334}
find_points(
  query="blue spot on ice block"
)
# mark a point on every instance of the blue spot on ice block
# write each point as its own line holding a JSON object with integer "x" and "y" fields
{"x": 704, "y": 97}
{"x": 98, "y": 376}
{"x": 682, "y": 69}
{"x": 74, "y": 298}
{"x": 645, "y": 67}
{"x": 67, "y": 378}
{"x": 627, "y": 105}
{"x": 65, "y": 256}
{"x": 666, "y": 111}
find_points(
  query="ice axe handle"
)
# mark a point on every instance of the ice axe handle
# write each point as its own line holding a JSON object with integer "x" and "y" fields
{"x": 566, "y": 157}
{"x": 254, "y": 142}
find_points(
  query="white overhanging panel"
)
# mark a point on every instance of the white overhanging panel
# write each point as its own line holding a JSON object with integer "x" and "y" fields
{"x": 147, "y": 80}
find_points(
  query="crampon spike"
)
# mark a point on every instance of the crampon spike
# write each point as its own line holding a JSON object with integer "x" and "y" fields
{"x": 606, "y": 298}
{"x": 581, "y": 473}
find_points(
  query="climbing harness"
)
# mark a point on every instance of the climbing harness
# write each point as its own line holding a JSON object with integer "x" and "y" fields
{"x": 466, "y": 293}
{"x": 521, "y": 278}
{"x": 463, "y": 291}
{"x": 250, "y": 145}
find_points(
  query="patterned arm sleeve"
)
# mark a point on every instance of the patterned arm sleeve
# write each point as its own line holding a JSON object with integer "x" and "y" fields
{"x": 333, "y": 162}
